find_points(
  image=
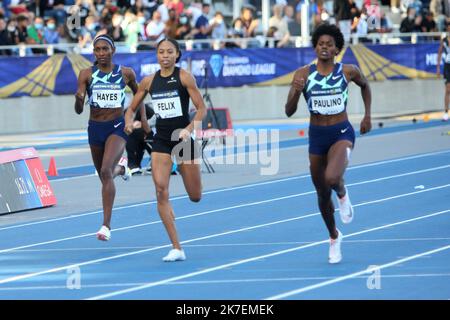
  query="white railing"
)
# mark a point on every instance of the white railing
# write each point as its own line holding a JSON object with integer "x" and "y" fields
{"x": 257, "y": 42}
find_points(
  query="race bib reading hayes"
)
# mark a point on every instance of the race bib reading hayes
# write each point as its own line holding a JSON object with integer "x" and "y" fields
{"x": 107, "y": 95}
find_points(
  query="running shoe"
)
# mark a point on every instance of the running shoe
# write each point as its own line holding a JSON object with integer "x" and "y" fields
{"x": 345, "y": 208}
{"x": 335, "y": 255}
{"x": 445, "y": 117}
{"x": 123, "y": 162}
{"x": 104, "y": 234}
{"x": 175, "y": 255}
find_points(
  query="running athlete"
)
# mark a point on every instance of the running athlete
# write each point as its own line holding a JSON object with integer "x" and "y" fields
{"x": 331, "y": 136}
{"x": 170, "y": 89}
{"x": 445, "y": 48}
{"x": 105, "y": 84}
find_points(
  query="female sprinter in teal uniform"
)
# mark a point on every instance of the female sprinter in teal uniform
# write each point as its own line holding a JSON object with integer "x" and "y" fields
{"x": 331, "y": 136}
{"x": 170, "y": 89}
{"x": 105, "y": 85}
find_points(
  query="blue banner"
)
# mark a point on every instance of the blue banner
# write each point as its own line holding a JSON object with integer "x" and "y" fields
{"x": 43, "y": 76}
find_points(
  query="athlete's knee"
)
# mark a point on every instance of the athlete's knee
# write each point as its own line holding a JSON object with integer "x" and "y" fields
{"x": 162, "y": 192}
{"x": 195, "y": 197}
{"x": 106, "y": 173}
{"x": 332, "y": 179}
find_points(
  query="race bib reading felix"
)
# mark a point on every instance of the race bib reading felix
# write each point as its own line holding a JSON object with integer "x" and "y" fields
{"x": 107, "y": 95}
{"x": 167, "y": 104}
{"x": 329, "y": 104}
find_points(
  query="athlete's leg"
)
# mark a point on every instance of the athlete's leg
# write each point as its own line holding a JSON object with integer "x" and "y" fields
{"x": 161, "y": 169}
{"x": 318, "y": 165}
{"x": 114, "y": 148}
{"x": 447, "y": 96}
{"x": 97, "y": 157}
{"x": 337, "y": 160}
{"x": 190, "y": 172}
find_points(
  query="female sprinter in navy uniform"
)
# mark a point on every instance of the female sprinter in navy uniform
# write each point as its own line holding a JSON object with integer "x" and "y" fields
{"x": 331, "y": 136}
{"x": 170, "y": 89}
{"x": 105, "y": 85}
{"x": 444, "y": 47}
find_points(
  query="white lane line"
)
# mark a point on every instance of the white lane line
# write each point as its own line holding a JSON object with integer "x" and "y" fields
{"x": 217, "y": 245}
{"x": 241, "y": 206}
{"x": 239, "y": 262}
{"x": 224, "y": 281}
{"x": 223, "y": 190}
{"x": 355, "y": 274}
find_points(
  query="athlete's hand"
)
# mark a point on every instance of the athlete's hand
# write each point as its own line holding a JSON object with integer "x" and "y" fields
{"x": 185, "y": 135}
{"x": 366, "y": 125}
{"x": 129, "y": 127}
{"x": 298, "y": 84}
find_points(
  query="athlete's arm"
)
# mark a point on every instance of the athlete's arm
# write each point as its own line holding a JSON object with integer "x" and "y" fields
{"x": 354, "y": 74}
{"x": 188, "y": 81}
{"x": 438, "y": 64}
{"x": 138, "y": 97}
{"x": 131, "y": 78}
{"x": 297, "y": 85}
{"x": 81, "y": 91}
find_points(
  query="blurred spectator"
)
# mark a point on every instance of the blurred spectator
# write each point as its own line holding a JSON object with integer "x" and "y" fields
{"x": 281, "y": 34}
{"x": 87, "y": 32}
{"x": 163, "y": 10}
{"x": 36, "y": 34}
{"x": 51, "y": 35}
{"x": 86, "y": 8}
{"x": 5, "y": 39}
{"x": 22, "y": 28}
{"x": 54, "y": 9}
{"x": 184, "y": 30}
{"x": 408, "y": 24}
{"x": 172, "y": 24}
{"x": 428, "y": 24}
{"x": 236, "y": 32}
{"x": 131, "y": 30}
{"x": 178, "y": 6}
{"x": 438, "y": 13}
{"x": 155, "y": 29}
{"x": 270, "y": 35}
{"x": 17, "y": 7}
{"x": 250, "y": 24}
{"x": 319, "y": 13}
{"x": 115, "y": 29}
{"x": 343, "y": 15}
{"x": 293, "y": 25}
{"x": 220, "y": 30}
{"x": 203, "y": 29}
{"x": 149, "y": 7}
{"x": 385, "y": 25}
{"x": 142, "y": 20}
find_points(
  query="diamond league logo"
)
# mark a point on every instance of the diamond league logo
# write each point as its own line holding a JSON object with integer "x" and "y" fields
{"x": 216, "y": 63}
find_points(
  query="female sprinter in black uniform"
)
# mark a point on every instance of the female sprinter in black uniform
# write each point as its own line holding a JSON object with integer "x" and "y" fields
{"x": 170, "y": 89}
{"x": 331, "y": 136}
{"x": 105, "y": 85}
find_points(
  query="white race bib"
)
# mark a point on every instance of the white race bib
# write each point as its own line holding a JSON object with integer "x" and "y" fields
{"x": 330, "y": 104}
{"x": 167, "y": 104}
{"x": 107, "y": 95}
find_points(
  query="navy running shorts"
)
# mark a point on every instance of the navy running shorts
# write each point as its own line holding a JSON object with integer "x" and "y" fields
{"x": 177, "y": 148}
{"x": 321, "y": 138}
{"x": 98, "y": 131}
{"x": 447, "y": 72}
